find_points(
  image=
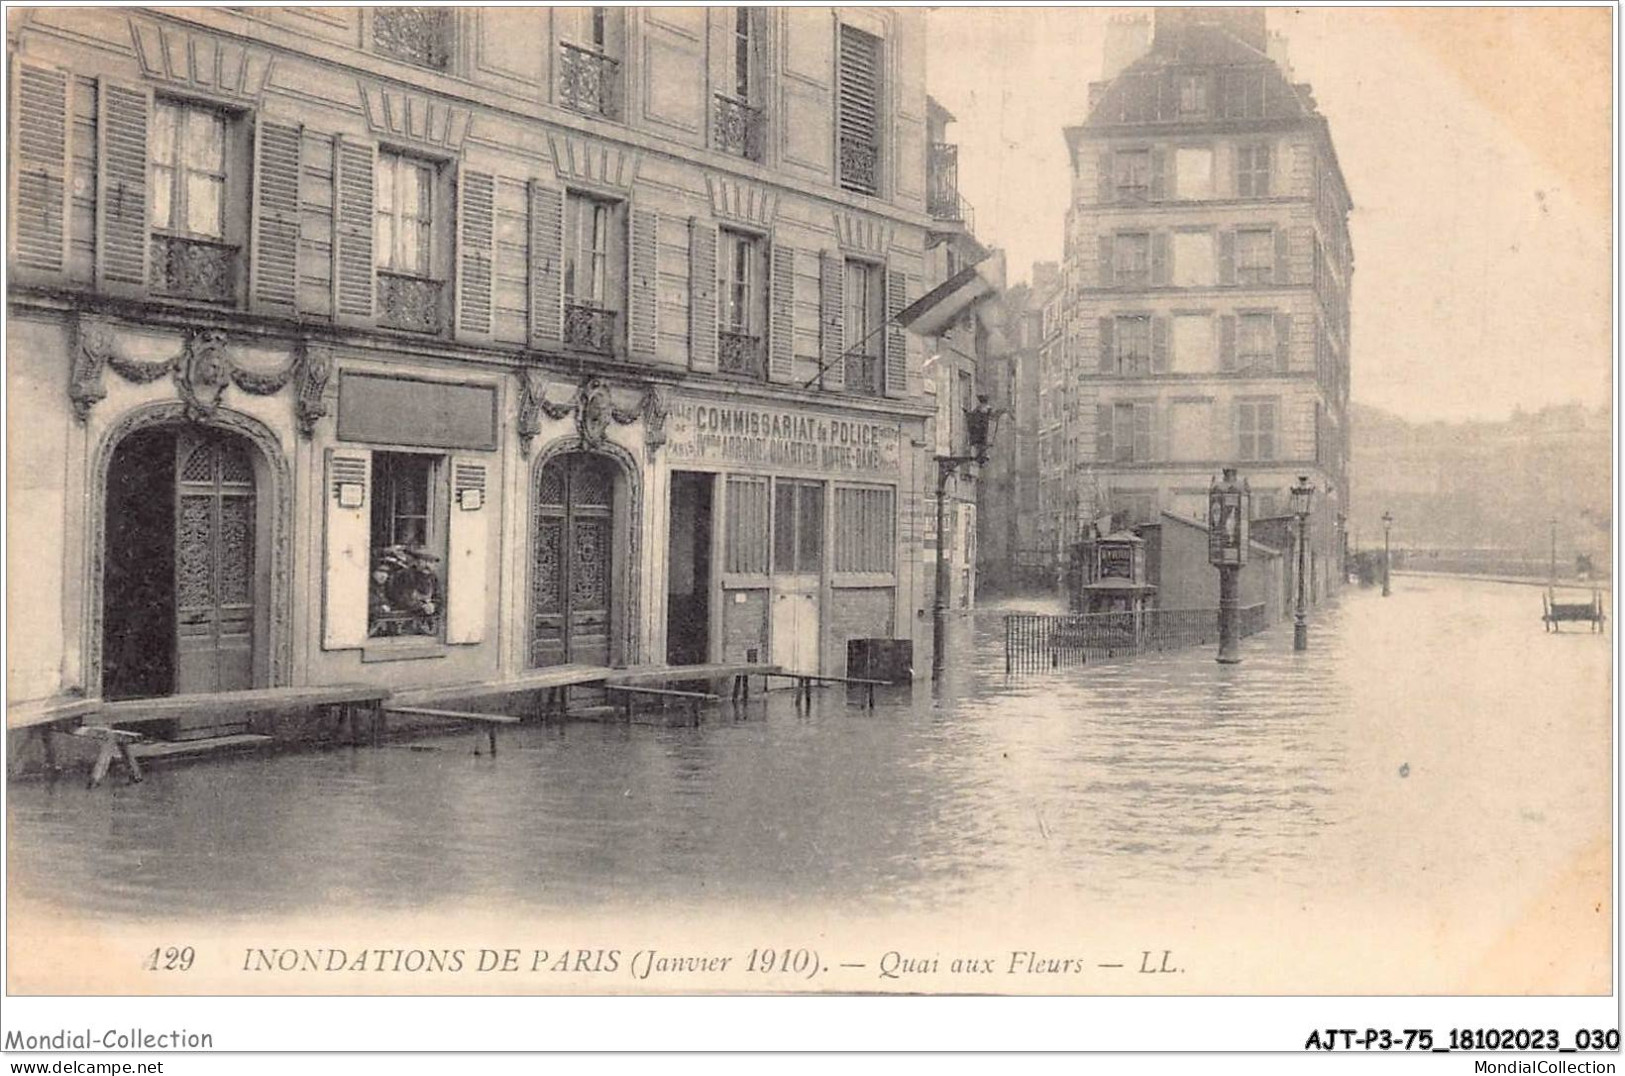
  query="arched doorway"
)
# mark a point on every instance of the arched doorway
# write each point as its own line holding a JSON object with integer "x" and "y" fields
{"x": 575, "y": 585}
{"x": 182, "y": 569}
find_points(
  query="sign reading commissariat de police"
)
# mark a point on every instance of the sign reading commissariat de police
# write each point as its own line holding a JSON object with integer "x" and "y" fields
{"x": 757, "y": 437}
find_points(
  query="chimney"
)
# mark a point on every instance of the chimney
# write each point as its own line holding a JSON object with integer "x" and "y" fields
{"x": 1278, "y": 52}
{"x": 1183, "y": 26}
{"x": 1128, "y": 37}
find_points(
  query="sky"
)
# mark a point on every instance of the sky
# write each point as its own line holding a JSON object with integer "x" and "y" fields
{"x": 1477, "y": 146}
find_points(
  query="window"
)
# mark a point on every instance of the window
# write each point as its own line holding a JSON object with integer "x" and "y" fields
{"x": 1193, "y": 259}
{"x": 418, "y": 35}
{"x": 738, "y": 123}
{"x": 1131, "y": 258}
{"x": 594, "y": 260}
{"x": 744, "y": 53}
{"x": 1193, "y": 173}
{"x": 1132, "y": 172}
{"x": 1255, "y": 342}
{"x": 798, "y": 526}
{"x": 1255, "y": 425}
{"x": 865, "y": 370}
{"x": 1131, "y": 432}
{"x": 191, "y": 256}
{"x": 404, "y": 200}
{"x": 859, "y": 94}
{"x": 743, "y": 313}
{"x": 1255, "y": 256}
{"x": 589, "y": 73}
{"x": 404, "y": 596}
{"x": 1253, "y": 171}
{"x": 1132, "y": 338}
{"x": 745, "y": 536}
{"x": 1193, "y": 344}
{"x": 1192, "y": 95}
{"x": 865, "y": 530}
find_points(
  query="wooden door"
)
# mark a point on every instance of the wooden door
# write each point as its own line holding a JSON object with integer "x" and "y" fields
{"x": 214, "y": 563}
{"x": 572, "y": 563}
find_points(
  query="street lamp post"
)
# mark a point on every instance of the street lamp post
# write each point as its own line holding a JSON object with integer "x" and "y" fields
{"x": 1387, "y": 524}
{"x": 1227, "y": 510}
{"x": 1302, "y": 494}
{"x": 980, "y": 423}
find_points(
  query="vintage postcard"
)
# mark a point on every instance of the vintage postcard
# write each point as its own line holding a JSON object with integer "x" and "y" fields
{"x": 660, "y": 500}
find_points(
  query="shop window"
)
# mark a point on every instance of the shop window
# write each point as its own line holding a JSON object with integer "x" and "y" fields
{"x": 865, "y": 530}
{"x": 405, "y": 593}
{"x": 746, "y": 526}
{"x": 798, "y": 527}
{"x": 194, "y": 248}
{"x": 594, "y": 272}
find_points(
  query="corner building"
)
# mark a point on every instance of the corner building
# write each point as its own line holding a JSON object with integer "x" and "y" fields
{"x": 426, "y": 345}
{"x": 1208, "y": 248}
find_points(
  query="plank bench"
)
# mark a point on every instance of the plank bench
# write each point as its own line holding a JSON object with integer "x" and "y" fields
{"x": 805, "y": 681}
{"x": 631, "y": 691}
{"x": 1557, "y": 613}
{"x": 490, "y": 721}
{"x": 346, "y": 702}
{"x": 112, "y": 741}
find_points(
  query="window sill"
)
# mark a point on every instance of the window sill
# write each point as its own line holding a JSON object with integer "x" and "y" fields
{"x": 382, "y": 650}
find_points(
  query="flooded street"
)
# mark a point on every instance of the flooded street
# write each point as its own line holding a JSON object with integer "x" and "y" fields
{"x": 1434, "y": 752}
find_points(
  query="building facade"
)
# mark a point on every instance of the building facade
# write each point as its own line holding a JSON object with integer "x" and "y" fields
{"x": 1208, "y": 267}
{"x": 420, "y": 345}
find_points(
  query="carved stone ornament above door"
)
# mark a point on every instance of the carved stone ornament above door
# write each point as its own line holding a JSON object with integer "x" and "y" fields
{"x": 594, "y": 407}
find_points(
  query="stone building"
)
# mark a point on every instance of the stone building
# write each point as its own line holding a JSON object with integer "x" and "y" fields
{"x": 418, "y": 345}
{"x": 1208, "y": 265}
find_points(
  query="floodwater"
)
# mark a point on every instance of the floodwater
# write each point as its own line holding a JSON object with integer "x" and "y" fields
{"x": 1430, "y": 744}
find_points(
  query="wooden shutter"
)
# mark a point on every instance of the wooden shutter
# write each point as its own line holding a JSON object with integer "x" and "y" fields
{"x": 1103, "y": 433}
{"x": 1159, "y": 174}
{"x": 1283, "y": 256}
{"x": 859, "y": 89}
{"x": 1107, "y": 193}
{"x": 1108, "y": 354}
{"x": 1227, "y": 256}
{"x": 831, "y": 311}
{"x": 348, "y": 548}
{"x": 274, "y": 260}
{"x": 1142, "y": 433}
{"x": 1159, "y": 258}
{"x": 1264, "y": 179}
{"x": 476, "y": 239}
{"x": 1161, "y": 437}
{"x": 1227, "y": 343}
{"x": 1283, "y": 342}
{"x": 896, "y": 335}
{"x": 468, "y": 536}
{"x": 702, "y": 300}
{"x": 122, "y": 232}
{"x": 643, "y": 292}
{"x": 1104, "y": 251}
{"x": 40, "y": 125}
{"x": 1159, "y": 344}
{"x": 354, "y": 290}
{"x": 546, "y": 267}
{"x": 781, "y": 351}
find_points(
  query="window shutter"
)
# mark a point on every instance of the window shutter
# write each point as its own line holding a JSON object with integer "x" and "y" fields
{"x": 1227, "y": 343}
{"x": 1104, "y": 244}
{"x": 1159, "y": 175}
{"x": 1283, "y": 342}
{"x": 1159, "y": 258}
{"x": 353, "y": 288}
{"x": 122, "y": 232}
{"x": 702, "y": 303}
{"x": 1108, "y": 356}
{"x": 1161, "y": 422}
{"x": 40, "y": 111}
{"x": 1108, "y": 185}
{"x": 546, "y": 267}
{"x": 1159, "y": 345}
{"x": 348, "y": 551}
{"x": 1235, "y": 430}
{"x": 1283, "y": 256}
{"x": 781, "y": 353}
{"x": 274, "y": 262}
{"x": 642, "y": 329}
{"x": 468, "y": 536}
{"x": 1142, "y": 433}
{"x": 896, "y": 335}
{"x": 1264, "y": 162}
{"x": 476, "y": 237}
{"x": 831, "y": 309}
{"x": 1227, "y": 256}
{"x": 1103, "y": 433}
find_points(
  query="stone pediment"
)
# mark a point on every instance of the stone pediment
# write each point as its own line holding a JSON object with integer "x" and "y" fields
{"x": 199, "y": 61}
{"x": 402, "y": 115}
{"x": 580, "y": 159}
{"x": 742, "y": 201}
{"x": 863, "y": 234}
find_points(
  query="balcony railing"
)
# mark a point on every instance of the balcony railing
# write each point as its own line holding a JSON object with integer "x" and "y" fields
{"x": 738, "y": 128}
{"x": 860, "y": 165}
{"x": 588, "y": 81}
{"x": 590, "y": 328}
{"x": 409, "y": 302}
{"x": 419, "y": 35}
{"x": 740, "y": 353}
{"x": 865, "y": 375}
{"x": 194, "y": 269}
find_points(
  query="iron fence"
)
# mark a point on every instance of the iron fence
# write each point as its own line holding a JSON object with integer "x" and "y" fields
{"x": 1041, "y": 641}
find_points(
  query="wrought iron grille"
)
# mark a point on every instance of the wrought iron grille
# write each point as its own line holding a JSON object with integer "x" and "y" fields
{"x": 194, "y": 268}
{"x": 590, "y": 328}
{"x": 1035, "y": 641}
{"x": 588, "y": 81}
{"x": 739, "y": 353}
{"x": 409, "y": 302}
{"x": 860, "y": 165}
{"x": 865, "y": 375}
{"x": 738, "y": 128}
{"x": 942, "y": 189}
{"x": 419, "y": 35}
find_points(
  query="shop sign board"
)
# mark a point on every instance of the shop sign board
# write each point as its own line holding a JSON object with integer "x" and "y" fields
{"x": 776, "y": 437}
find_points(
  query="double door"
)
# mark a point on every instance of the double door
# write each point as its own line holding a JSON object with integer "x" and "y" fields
{"x": 573, "y": 561}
